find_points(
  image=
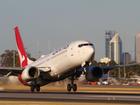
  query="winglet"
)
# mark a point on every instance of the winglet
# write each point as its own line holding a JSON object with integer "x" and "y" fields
{"x": 24, "y": 61}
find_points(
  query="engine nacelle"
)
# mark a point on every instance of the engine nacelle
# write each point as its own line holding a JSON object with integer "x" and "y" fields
{"x": 29, "y": 74}
{"x": 93, "y": 74}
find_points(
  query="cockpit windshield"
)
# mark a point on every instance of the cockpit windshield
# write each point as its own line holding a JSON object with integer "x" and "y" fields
{"x": 85, "y": 44}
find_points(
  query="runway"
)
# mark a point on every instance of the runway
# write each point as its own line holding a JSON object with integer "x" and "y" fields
{"x": 52, "y": 95}
{"x": 70, "y": 97}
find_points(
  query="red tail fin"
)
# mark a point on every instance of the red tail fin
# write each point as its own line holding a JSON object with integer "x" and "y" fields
{"x": 21, "y": 51}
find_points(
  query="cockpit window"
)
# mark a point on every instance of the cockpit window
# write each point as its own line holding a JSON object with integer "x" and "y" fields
{"x": 85, "y": 44}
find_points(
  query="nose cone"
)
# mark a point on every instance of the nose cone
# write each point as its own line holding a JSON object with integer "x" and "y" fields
{"x": 90, "y": 53}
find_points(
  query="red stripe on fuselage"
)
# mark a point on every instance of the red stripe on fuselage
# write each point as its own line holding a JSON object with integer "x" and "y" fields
{"x": 22, "y": 81}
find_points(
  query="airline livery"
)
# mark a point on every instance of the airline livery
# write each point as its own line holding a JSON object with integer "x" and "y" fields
{"x": 55, "y": 66}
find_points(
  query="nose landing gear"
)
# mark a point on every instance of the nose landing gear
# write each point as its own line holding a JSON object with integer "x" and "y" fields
{"x": 72, "y": 86}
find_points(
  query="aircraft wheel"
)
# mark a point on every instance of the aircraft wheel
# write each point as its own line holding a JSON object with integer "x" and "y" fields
{"x": 74, "y": 87}
{"x": 32, "y": 88}
{"x": 38, "y": 88}
{"x": 69, "y": 87}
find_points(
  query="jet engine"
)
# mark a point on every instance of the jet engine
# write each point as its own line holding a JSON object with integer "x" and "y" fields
{"x": 29, "y": 74}
{"x": 94, "y": 73}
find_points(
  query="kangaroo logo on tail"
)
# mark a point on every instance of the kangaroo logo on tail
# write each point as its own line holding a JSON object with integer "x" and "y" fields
{"x": 24, "y": 61}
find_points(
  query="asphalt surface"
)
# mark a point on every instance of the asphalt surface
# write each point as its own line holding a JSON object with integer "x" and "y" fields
{"x": 70, "y": 97}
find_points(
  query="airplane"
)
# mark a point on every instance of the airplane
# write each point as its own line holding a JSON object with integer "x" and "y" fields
{"x": 56, "y": 66}
{"x": 70, "y": 62}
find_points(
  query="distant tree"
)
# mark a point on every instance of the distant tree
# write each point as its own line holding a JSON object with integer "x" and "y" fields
{"x": 132, "y": 70}
{"x": 10, "y": 58}
{"x": 7, "y": 58}
{"x": 30, "y": 57}
{"x": 129, "y": 70}
{"x": 112, "y": 63}
{"x": 94, "y": 62}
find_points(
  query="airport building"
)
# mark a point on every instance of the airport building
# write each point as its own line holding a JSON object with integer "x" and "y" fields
{"x": 137, "y": 48}
{"x": 126, "y": 57}
{"x": 115, "y": 46}
{"x": 108, "y": 36}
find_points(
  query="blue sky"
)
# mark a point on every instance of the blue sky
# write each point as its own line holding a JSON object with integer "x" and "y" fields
{"x": 49, "y": 24}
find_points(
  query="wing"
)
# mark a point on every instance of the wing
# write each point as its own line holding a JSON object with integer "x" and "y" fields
{"x": 10, "y": 71}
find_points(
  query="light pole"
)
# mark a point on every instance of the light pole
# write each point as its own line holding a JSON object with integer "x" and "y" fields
{"x": 14, "y": 59}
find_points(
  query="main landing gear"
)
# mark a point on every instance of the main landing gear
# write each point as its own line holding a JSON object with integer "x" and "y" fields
{"x": 35, "y": 87}
{"x": 72, "y": 86}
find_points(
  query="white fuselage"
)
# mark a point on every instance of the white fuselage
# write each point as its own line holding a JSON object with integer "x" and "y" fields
{"x": 65, "y": 59}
